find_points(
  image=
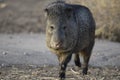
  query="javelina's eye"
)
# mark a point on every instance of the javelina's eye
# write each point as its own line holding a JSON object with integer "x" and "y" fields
{"x": 64, "y": 27}
{"x": 51, "y": 27}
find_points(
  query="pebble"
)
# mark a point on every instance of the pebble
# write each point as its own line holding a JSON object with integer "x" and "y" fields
{"x": 11, "y": 37}
{"x": 33, "y": 66}
{"x": 3, "y": 5}
{"x": 2, "y": 65}
{"x": 26, "y": 54}
{"x": 5, "y": 53}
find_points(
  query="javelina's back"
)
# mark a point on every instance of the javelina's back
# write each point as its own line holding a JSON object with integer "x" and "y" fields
{"x": 86, "y": 24}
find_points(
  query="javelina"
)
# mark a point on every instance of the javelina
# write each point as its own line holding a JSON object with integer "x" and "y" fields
{"x": 70, "y": 29}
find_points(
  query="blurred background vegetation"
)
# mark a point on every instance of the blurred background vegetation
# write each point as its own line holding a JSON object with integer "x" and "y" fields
{"x": 27, "y": 16}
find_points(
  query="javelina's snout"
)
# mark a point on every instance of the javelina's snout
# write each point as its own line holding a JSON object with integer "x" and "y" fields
{"x": 56, "y": 42}
{"x": 57, "y": 39}
{"x": 57, "y": 45}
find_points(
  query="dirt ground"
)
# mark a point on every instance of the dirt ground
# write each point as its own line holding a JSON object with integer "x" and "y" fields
{"x": 37, "y": 63}
{"x": 51, "y": 73}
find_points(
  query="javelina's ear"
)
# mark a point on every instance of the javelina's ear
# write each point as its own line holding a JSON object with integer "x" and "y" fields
{"x": 69, "y": 11}
{"x": 46, "y": 12}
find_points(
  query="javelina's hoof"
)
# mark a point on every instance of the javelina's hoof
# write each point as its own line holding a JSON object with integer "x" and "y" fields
{"x": 85, "y": 71}
{"x": 78, "y": 64}
{"x": 62, "y": 79}
{"x": 62, "y": 76}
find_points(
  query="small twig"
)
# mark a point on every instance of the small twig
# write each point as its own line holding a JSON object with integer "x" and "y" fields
{"x": 74, "y": 71}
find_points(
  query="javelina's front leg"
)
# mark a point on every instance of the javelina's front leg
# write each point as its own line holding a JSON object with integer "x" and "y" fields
{"x": 77, "y": 60}
{"x": 63, "y": 61}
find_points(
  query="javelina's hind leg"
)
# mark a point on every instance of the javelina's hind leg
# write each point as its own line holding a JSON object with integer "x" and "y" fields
{"x": 77, "y": 60}
{"x": 85, "y": 63}
{"x": 86, "y": 57}
{"x": 63, "y": 61}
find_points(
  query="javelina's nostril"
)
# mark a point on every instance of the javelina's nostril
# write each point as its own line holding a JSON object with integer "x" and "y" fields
{"x": 58, "y": 45}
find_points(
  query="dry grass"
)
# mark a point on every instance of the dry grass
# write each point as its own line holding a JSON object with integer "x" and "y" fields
{"x": 28, "y": 16}
{"x": 110, "y": 33}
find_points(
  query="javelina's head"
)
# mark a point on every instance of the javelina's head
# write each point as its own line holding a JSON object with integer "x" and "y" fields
{"x": 61, "y": 29}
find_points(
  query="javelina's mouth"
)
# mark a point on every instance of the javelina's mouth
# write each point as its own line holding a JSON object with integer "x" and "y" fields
{"x": 57, "y": 45}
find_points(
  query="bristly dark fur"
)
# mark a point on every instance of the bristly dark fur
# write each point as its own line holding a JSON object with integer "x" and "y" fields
{"x": 54, "y": 8}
